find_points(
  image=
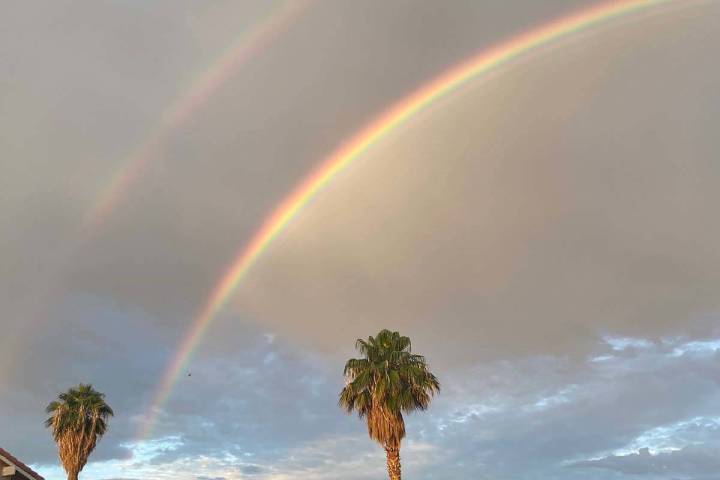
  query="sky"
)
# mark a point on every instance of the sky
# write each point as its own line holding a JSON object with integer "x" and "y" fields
{"x": 546, "y": 234}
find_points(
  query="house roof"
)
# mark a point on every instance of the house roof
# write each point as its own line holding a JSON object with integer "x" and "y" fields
{"x": 20, "y": 466}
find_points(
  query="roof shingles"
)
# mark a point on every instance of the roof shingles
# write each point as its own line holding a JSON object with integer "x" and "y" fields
{"x": 20, "y": 465}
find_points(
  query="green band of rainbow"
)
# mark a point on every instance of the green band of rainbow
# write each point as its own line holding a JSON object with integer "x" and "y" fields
{"x": 384, "y": 124}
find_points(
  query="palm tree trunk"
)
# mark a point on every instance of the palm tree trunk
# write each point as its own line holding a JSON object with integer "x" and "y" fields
{"x": 393, "y": 462}
{"x": 73, "y": 475}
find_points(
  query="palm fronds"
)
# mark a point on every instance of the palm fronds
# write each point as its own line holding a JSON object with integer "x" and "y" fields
{"x": 386, "y": 382}
{"x": 78, "y": 419}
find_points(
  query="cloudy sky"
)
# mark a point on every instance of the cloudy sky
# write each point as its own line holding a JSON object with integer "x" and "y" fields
{"x": 547, "y": 235}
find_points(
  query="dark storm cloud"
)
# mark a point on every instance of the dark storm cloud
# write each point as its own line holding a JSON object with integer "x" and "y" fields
{"x": 222, "y": 171}
{"x": 548, "y": 238}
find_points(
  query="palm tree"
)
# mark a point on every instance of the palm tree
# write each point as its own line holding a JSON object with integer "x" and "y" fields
{"x": 387, "y": 381}
{"x": 78, "y": 418}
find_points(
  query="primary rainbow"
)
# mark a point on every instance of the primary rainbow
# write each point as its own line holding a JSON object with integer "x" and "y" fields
{"x": 349, "y": 151}
{"x": 243, "y": 49}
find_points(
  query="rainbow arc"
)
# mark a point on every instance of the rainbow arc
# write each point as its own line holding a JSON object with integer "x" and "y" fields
{"x": 352, "y": 149}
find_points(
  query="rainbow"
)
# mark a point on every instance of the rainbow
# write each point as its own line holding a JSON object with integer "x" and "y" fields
{"x": 351, "y": 150}
{"x": 242, "y": 50}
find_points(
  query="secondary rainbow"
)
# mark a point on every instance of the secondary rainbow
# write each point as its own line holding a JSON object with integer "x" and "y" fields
{"x": 243, "y": 49}
{"x": 350, "y": 150}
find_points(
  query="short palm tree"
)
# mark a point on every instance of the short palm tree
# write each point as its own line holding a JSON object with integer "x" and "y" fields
{"x": 386, "y": 382}
{"x": 78, "y": 418}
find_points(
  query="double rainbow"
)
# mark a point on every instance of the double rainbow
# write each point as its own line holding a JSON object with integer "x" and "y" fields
{"x": 352, "y": 149}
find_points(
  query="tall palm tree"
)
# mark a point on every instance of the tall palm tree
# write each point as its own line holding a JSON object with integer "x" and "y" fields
{"x": 386, "y": 382}
{"x": 78, "y": 418}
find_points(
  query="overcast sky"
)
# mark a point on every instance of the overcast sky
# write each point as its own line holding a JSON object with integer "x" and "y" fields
{"x": 547, "y": 235}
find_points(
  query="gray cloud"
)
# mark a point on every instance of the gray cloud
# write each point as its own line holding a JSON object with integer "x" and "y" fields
{"x": 690, "y": 462}
{"x": 524, "y": 216}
